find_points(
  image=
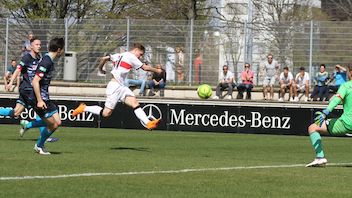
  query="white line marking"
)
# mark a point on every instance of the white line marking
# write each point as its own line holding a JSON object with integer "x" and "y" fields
{"x": 162, "y": 172}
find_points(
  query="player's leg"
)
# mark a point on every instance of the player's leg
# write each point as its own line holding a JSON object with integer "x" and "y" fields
{"x": 333, "y": 127}
{"x": 26, "y": 125}
{"x": 265, "y": 87}
{"x": 12, "y": 112}
{"x": 138, "y": 111}
{"x": 53, "y": 122}
{"x": 315, "y": 133}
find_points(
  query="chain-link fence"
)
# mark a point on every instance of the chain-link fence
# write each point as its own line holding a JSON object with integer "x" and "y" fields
{"x": 191, "y": 52}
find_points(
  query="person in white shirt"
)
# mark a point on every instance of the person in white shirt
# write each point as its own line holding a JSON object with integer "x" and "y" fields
{"x": 117, "y": 91}
{"x": 301, "y": 84}
{"x": 226, "y": 81}
{"x": 271, "y": 68}
{"x": 286, "y": 82}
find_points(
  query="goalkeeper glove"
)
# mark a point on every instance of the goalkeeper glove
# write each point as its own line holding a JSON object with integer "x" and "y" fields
{"x": 320, "y": 116}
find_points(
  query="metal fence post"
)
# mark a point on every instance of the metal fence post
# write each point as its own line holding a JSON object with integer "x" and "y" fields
{"x": 190, "y": 53}
{"x": 311, "y": 49}
{"x": 128, "y": 34}
{"x": 66, "y": 34}
{"x": 6, "y": 43}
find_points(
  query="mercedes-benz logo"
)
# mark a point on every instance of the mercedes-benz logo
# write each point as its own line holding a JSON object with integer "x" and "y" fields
{"x": 152, "y": 111}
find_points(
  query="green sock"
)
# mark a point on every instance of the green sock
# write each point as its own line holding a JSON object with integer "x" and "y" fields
{"x": 315, "y": 139}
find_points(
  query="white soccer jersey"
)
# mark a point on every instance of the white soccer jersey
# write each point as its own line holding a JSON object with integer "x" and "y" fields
{"x": 123, "y": 63}
{"x": 302, "y": 80}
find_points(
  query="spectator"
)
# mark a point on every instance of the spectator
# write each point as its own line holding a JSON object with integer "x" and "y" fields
{"x": 180, "y": 62}
{"x": 301, "y": 84}
{"x": 26, "y": 47}
{"x": 140, "y": 79}
{"x": 226, "y": 82}
{"x": 157, "y": 81}
{"x": 247, "y": 76}
{"x": 320, "y": 81}
{"x": 9, "y": 71}
{"x": 286, "y": 82}
{"x": 271, "y": 68}
{"x": 339, "y": 76}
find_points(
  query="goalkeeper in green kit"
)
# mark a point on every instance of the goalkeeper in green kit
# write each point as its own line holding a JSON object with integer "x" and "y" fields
{"x": 334, "y": 126}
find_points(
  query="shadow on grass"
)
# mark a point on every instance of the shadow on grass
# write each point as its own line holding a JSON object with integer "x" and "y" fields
{"x": 132, "y": 149}
{"x": 22, "y": 139}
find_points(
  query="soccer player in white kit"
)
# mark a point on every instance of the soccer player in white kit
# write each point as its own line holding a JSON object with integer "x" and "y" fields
{"x": 116, "y": 91}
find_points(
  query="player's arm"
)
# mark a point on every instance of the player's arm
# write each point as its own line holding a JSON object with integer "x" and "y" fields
{"x": 102, "y": 62}
{"x": 36, "y": 87}
{"x": 146, "y": 67}
{"x": 14, "y": 77}
{"x": 336, "y": 100}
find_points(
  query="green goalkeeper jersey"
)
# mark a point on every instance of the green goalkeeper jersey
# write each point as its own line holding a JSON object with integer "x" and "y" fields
{"x": 344, "y": 94}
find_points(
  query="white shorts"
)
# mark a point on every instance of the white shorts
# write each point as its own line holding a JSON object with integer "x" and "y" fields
{"x": 115, "y": 92}
{"x": 269, "y": 80}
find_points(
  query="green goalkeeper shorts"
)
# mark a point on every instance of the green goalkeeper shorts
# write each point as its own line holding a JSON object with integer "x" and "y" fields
{"x": 336, "y": 127}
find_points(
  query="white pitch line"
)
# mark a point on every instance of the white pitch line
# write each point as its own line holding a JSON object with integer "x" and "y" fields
{"x": 162, "y": 172}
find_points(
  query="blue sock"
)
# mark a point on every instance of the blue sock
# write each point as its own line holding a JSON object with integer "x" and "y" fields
{"x": 7, "y": 111}
{"x": 36, "y": 123}
{"x": 44, "y": 134}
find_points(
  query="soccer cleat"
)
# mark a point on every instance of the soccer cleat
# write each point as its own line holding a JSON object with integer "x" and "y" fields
{"x": 317, "y": 162}
{"x": 296, "y": 99}
{"x": 23, "y": 129}
{"x": 291, "y": 99}
{"x": 306, "y": 99}
{"x": 152, "y": 124}
{"x": 281, "y": 100}
{"x": 40, "y": 150}
{"x": 229, "y": 97}
{"x": 79, "y": 110}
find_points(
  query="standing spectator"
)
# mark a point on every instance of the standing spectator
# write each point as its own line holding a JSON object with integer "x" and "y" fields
{"x": 301, "y": 84}
{"x": 286, "y": 82}
{"x": 271, "y": 68}
{"x": 320, "y": 81}
{"x": 197, "y": 68}
{"x": 180, "y": 62}
{"x": 339, "y": 76}
{"x": 9, "y": 71}
{"x": 170, "y": 64}
{"x": 26, "y": 47}
{"x": 139, "y": 79}
{"x": 226, "y": 81}
{"x": 247, "y": 76}
{"x": 157, "y": 81}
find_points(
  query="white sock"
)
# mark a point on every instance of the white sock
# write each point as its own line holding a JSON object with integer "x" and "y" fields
{"x": 141, "y": 115}
{"x": 93, "y": 109}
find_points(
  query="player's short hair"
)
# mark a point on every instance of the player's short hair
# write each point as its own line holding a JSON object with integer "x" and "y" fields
{"x": 55, "y": 44}
{"x": 33, "y": 39}
{"x": 139, "y": 46}
{"x": 302, "y": 69}
{"x": 270, "y": 54}
{"x": 13, "y": 60}
{"x": 286, "y": 68}
{"x": 323, "y": 65}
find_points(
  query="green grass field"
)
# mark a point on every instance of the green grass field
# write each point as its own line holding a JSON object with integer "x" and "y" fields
{"x": 147, "y": 154}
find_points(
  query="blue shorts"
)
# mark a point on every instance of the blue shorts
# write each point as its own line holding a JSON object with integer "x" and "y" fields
{"x": 28, "y": 99}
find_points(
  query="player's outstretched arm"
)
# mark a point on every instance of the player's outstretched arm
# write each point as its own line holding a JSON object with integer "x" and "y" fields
{"x": 102, "y": 62}
{"x": 146, "y": 67}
